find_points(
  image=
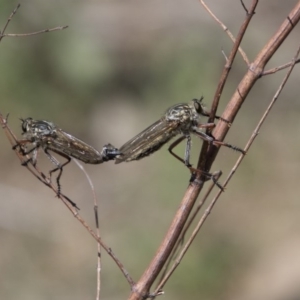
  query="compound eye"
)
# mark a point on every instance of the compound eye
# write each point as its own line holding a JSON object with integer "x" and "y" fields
{"x": 25, "y": 124}
{"x": 198, "y": 106}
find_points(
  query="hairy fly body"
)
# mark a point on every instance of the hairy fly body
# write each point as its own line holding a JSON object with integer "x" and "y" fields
{"x": 180, "y": 119}
{"x": 39, "y": 134}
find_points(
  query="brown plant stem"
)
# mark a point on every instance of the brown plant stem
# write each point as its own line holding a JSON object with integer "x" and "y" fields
{"x": 213, "y": 202}
{"x": 45, "y": 180}
{"x": 142, "y": 287}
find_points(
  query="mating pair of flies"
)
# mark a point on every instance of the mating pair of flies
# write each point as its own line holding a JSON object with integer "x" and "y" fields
{"x": 180, "y": 119}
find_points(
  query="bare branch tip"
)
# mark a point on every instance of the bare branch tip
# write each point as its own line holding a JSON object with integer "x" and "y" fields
{"x": 15, "y": 10}
{"x": 4, "y": 120}
{"x": 223, "y": 52}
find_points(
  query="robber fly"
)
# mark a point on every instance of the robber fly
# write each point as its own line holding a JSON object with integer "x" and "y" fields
{"x": 39, "y": 134}
{"x": 180, "y": 119}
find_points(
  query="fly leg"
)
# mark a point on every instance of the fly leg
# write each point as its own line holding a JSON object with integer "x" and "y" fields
{"x": 187, "y": 163}
{"x": 59, "y": 166}
{"x": 33, "y": 159}
{"x": 186, "y": 158}
{"x": 210, "y": 139}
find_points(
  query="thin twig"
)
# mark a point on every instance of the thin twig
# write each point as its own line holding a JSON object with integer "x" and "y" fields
{"x": 2, "y": 33}
{"x": 98, "y": 290}
{"x": 205, "y": 160}
{"x": 34, "y": 33}
{"x": 225, "y": 28}
{"x": 44, "y": 179}
{"x": 8, "y": 20}
{"x": 249, "y": 80}
{"x": 260, "y": 123}
{"x": 224, "y": 77}
{"x": 225, "y": 56}
{"x": 180, "y": 241}
{"x": 197, "y": 209}
{"x": 142, "y": 287}
{"x": 244, "y": 7}
{"x": 238, "y": 162}
{"x": 274, "y": 70}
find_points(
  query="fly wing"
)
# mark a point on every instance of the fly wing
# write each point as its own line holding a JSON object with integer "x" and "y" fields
{"x": 148, "y": 141}
{"x": 72, "y": 146}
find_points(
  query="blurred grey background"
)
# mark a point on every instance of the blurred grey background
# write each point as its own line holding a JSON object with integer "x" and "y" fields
{"x": 113, "y": 72}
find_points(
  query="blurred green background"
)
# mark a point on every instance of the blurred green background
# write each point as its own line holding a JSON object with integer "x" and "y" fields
{"x": 112, "y": 73}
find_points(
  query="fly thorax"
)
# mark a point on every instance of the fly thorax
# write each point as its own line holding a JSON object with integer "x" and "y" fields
{"x": 42, "y": 128}
{"x": 181, "y": 113}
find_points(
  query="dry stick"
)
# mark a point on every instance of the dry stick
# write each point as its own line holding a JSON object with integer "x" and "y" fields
{"x": 227, "y": 69}
{"x": 141, "y": 289}
{"x": 34, "y": 33}
{"x": 2, "y": 35}
{"x": 43, "y": 178}
{"x": 202, "y": 164}
{"x": 198, "y": 208}
{"x": 274, "y": 70}
{"x": 238, "y": 162}
{"x": 34, "y": 170}
{"x": 180, "y": 240}
{"x": 225, "y": 28}
{"x": 99, "y": 240}
{"x": 8, "y": 20}
{"x": 97, "y": 227}
{"x": 249, "y": 79}
{"x": 12, "y": 139}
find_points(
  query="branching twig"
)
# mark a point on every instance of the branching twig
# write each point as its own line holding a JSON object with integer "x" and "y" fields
{"x": 260, "y": 123}
{"x": 192, "y": 192}
{"x": 33, "y": 169}
{"x": 244, "y": 7}
{"x": 225, "y": 28}
{"x": 45, "y": 180}
{"x": 97, "y": 227}
{"x": 225, "y": 73}
{"x": 2, "y": 33}
{"x": 8, "y": 20}
{"x": 238, "y": 162}
{"x": 181, "y": 221}
{"x": 180, "y": 240}
{"x": 142, "y": 287}
{"x": 274, "y": 70}
{"x": 248, "y": 81}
